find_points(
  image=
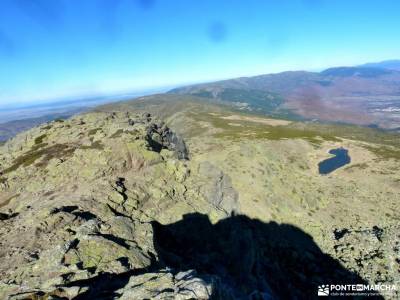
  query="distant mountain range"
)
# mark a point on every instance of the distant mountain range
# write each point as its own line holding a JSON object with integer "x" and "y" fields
{"x": 366, "y": 95}
{"x": 11, "y": 128}
{"x": 387, "y": 64}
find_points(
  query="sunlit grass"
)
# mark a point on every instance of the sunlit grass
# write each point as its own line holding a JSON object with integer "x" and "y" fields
{"x": 240, "y": 129}
{"x": 33, "y": 155}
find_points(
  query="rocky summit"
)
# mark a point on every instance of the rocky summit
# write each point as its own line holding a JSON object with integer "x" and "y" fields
{"x": 169, "y": 201}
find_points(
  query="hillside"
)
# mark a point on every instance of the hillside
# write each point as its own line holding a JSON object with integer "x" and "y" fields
{"x": 174, "y": 197}
{"x": 393, "y": 64}
{"x": 11, "y": 128}
{"x": 364, "y": 95}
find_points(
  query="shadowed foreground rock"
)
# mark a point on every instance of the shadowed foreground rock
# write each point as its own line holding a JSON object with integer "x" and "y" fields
{"x": 236, "y": 258}
{"x": 243, "y": 258}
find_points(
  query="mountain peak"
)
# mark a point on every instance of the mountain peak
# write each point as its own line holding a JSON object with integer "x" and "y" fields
{"x": 368, "y": 72}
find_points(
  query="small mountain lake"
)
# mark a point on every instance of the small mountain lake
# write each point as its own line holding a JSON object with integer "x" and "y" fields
{"x": 340, "y": 159}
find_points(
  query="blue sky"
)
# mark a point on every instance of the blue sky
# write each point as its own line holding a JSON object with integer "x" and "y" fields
{"x": 51, "y": 49}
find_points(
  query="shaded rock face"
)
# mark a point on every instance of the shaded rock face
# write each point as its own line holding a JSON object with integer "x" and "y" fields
{"x": 159, "y": 137}
{"x": 218, "y": 189}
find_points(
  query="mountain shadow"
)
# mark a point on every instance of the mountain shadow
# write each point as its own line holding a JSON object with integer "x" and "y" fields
{"x": 248, "y": 258}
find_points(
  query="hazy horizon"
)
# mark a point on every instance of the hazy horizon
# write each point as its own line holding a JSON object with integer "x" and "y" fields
{"x": 116, "y": 95}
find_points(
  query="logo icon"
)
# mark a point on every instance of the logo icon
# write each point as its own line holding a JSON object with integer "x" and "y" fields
{"x": 323, "y": 290}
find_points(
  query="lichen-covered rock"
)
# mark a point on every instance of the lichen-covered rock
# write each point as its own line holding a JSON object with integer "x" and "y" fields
{"x": 165, "y": 285}
{"x": 218, "y": 189}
